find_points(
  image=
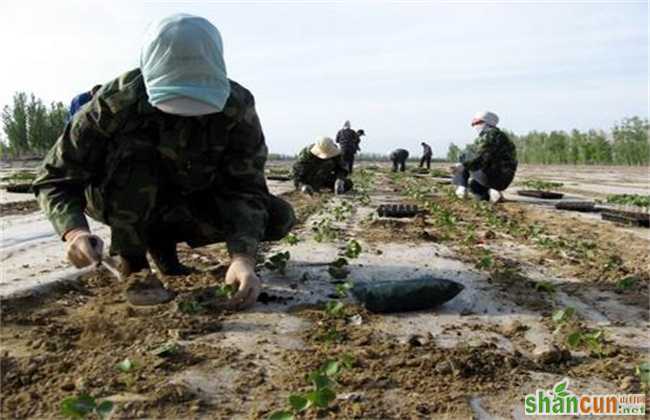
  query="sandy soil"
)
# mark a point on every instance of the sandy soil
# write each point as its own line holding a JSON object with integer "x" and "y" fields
{"x": 477, "y": 355}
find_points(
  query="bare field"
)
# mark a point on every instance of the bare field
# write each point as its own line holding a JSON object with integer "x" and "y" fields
{"x": 63, "y": 333}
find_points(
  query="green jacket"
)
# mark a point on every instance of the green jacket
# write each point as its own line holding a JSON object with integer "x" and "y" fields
{"x": 495, "y": 154}
{"x": 138, "y": 159}
{"x": 316, "y": 172}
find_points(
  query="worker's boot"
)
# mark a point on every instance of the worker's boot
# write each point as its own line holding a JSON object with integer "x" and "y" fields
{"x": 165, "y": 256}
{"x": 130, "y": 264}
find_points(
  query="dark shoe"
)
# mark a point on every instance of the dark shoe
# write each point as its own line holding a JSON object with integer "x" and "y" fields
{"x": 147, "y": 289}
{"x": 166, "y": 259}
{"x": 129, "y": 264}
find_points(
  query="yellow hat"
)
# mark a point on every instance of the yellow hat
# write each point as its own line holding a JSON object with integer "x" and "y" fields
{"x": 325, "y": 148}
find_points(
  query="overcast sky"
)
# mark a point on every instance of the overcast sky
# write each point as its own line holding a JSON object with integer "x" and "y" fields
{"x": 404, "y": 72}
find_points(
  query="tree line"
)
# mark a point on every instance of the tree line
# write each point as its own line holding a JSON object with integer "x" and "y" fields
{"x": 30, "y": 127}
{"x": 625, "y": 144}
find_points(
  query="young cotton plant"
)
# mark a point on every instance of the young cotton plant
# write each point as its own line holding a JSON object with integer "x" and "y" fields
{"x": 278, "y": 262}
{"x": 83, "y": 405}
{"x": 322, "y": 393}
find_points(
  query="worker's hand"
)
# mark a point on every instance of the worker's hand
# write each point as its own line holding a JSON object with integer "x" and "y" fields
{"x": 83, "y": 247}
{"x": 307, "y": 189}
{"x": 241, "y": 274}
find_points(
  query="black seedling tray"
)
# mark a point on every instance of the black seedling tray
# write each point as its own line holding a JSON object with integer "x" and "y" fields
{"x": 278, "y": 178}
{"x": 20, "y": 188}
{"x": 398, "y": 210}
{"x": 584, "y": 206}
{"x": 546, "y": 195}
{"x": 631, "y": 218}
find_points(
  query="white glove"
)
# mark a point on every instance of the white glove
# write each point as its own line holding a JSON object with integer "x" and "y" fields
{"x": 307, "y": 189}
{"x": 461, "y": 192}
{"x": 339, "y": 186}
{"x": 83, "y": 248}
{"x": 241, "y": 274}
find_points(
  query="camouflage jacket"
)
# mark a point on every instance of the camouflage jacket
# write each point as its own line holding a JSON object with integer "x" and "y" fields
{"x": 316, "y": 172}
{"x": 222, "y": 154}
{"x": 348, "y": 139}
{"x": 399, "y": 155}
{"x": 495, "y": 154}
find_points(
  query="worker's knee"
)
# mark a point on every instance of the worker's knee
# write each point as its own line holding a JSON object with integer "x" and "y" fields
{"x": 282, "y": 218}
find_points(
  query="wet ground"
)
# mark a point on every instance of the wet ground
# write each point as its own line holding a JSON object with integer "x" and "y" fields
{"x": 478, "y": 355}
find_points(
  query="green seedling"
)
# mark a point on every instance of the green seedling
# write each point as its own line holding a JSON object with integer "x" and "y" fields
{"x": 278, "y": 262}
{"x": 190, "y": 307}
{"x": 545, "y": 286}
{"x": 166, "y": 350}
{"x": 643, "y": 372}
{"x": 485, "y": 262}
{"x": 81, "y": 406}
{"x": 343, "y": 288}
{"x": 353, "y": 249}
{"x": 629, "y": 200}
{"x": 563, "y": 316}
{"x": 339, "y": 262}
{"x": 592, "y": 340}
{"x": 323, "y": 230}
{"x": 126, "y": 365}
{"x": 281, "y": 415}
{"x": 332, "y": 336}
{"x": 225, "y": 291}
{"x": 539, "y": 185}
{"x": 627, "y": 283}
{"x": 291, "y": 239}
{"x": 334, "y": 308}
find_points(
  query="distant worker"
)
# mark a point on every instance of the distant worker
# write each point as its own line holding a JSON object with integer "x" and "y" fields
{"x": 172, "y": 151}
{"x": 81, "y": 99}
{"x": 399, "y": 157}
{"x": 349, "y": 141}
{"x": 320, "y": 166}
{"x": 489, "y": 163}
{"x": 426, "y": 155}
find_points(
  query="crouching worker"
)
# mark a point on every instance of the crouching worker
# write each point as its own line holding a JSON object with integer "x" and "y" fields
{"x": 320, "y": 166}
{"x": 399, "y": 157}
{"x": 490, "y": 163}
{"x": 170, "y": 152}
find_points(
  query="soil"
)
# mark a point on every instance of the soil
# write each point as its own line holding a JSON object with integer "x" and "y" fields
{"x": 19, "y": 207}
{"x": 70, "y": 340}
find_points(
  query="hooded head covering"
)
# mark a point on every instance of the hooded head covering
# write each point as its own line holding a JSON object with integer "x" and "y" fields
{"x": 325, "y": 148}
{"x": 346, "y": 124}
{"x": 182, "y": 66}
{"x": 487, "y": 117}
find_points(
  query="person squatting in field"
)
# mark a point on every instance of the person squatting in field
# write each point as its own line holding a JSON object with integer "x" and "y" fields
{"x": 349, "y": 141}
{"x": 320, "y": 165}
{"x": 398, "y": 157}
{"x": 172, "y": 151}
{"x": 489, "y": 163}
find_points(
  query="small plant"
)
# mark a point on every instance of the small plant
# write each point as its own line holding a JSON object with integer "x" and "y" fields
{"x": 190, "y": 307}
{"x": 126, "y": 365}
{"x": 629, "y": 200}
{"x": 563, "y": 316}
{"x": 591, "y": 339}
{"x": 545, "y": 286}
{"x": 342, "y": 289}
{"x": 225, "y": 291}
{"x": 278, "y": 262}
{"x": 322, "y": 393}
{"x": 338, "y": 273}
{"x": 324, "y": 231}
{"x": 291, "y": 239}
{"x": 486, "y": 262}
{"x": 167, "y": 349}
{"x": 627, "y": 283}
{"x": 353, "y": 249}
{"x": 81, "y": 406}
{"x": 643, "y": 372}
{"x": 539, "y": 185}
{"x": 334, "y": 308}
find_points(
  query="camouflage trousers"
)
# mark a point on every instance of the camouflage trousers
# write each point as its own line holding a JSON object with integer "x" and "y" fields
{"x": 193, "y": 219}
